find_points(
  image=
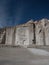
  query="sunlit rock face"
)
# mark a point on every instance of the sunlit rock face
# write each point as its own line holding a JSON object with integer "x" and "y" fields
{"x": 21, "y": 37}
{"x": 9, "y": 36}
{"x": 47, "y": 33}
{"x": 24, "y": 34}
{"x": 39, "y": 34}
{"x": 45, "y": 24}
{"x": 30, "y": 25}
{"x": 28, "y": 34}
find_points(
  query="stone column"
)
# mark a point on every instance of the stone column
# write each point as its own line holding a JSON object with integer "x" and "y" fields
{"x": 47, "y": 34}
{"x": 26, "y": 39}
{"x": 39, "y": 34}
{"x": 45, "y": 24}
{"x": 31, "y": 34}
{"x": 9, "y": 35}
{"x": 17, "y": 37}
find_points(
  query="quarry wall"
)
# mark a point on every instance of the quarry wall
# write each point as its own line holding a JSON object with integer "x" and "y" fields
{"x": 30, "y": 33}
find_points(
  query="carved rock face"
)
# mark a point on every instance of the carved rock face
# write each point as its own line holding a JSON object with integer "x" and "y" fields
{"x": 29, "y": 33}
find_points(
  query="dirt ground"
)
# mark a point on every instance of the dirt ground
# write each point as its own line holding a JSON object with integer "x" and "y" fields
{"x": 21, "y": 56}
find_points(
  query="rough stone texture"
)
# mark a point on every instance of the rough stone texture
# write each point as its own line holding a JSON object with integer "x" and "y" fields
{"x": 39, "y": 34}
{"x": 30, "y": 33}
{"x": 47, "y": 34}
{"x": 45, "y": 24}
{"x": 2, "y": 36}
{"x": 9, "y": 35}
{"x": 22, "y": 36}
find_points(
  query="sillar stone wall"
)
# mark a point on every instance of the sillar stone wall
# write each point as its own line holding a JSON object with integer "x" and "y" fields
{"x": 32, "y": 32}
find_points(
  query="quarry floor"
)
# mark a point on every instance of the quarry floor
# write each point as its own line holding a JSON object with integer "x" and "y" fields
{"x": 21, "y": 56}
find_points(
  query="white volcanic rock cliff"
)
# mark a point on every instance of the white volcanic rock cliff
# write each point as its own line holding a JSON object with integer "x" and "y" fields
{"x": 30, "y": 33}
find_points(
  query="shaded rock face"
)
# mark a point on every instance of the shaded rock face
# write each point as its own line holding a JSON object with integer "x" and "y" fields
{"x": 30, "y": 33}
{"x": 2, "y": 35}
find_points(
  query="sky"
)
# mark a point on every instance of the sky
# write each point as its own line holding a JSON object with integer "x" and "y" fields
{"x": 15, "y": 12}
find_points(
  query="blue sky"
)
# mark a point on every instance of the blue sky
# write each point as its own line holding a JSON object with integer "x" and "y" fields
{"x": 14, "y": 12}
